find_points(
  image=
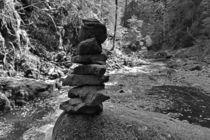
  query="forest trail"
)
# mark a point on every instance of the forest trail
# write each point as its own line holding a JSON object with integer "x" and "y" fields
{"x": 151, "y": 87}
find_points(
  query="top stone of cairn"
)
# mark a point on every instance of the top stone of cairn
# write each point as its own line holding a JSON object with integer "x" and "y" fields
{"x": 92, "y": 28}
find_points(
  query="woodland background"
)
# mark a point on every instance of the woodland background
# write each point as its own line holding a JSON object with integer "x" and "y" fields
{"x": 35, "y": 30}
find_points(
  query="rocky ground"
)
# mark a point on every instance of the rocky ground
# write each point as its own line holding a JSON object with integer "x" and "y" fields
{"x": 176, "y": 88}
{"x": 178, "y": 93}
{"x": 118, "y": 122}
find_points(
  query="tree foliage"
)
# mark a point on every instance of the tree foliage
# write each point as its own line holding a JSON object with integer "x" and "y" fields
{"x": 47, "y": 26}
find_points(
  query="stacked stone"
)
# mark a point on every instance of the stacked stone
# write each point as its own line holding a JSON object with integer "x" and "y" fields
{"x": 87, "y": 79}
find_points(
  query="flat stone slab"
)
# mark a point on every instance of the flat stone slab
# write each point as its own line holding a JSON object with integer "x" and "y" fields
{"x": 82, "y": 80}
{"x": 83, "y": 91}
{"x": 90, "y": 59}
{"x": 92, "y": 69}
{"x": 76, "y": 106}
{"x": 72, "y": 105}
{"x": 91, "y": 95}
{"x": 89, "y": 46}
{"x": 75, "y": 101}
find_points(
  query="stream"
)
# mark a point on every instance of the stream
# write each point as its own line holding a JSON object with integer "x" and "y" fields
{"x": 127, "y": 86}
{"x": 33, "y": 121}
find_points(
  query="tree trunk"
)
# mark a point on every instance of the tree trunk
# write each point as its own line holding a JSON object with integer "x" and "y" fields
{"x": 102, "y": 10}
{"x": 115, "y": 25}
{"x": 125, "y": 13}
{"x": 164, "y": 19}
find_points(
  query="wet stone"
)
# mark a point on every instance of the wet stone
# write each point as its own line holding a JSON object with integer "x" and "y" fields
{"x": 90, "y": 59}
{"x": 75, "y": 101}
{"x": 91, "y": 95}
{"x": 92, "y": 69}
{"x": 96, "y": 98}
{"x": 89, "y": 46}
{"x": 81, "y": 80}
{"x": 83, "y": 91}
{"x": 80, "y": 108}
{"x": 72, "y": 105}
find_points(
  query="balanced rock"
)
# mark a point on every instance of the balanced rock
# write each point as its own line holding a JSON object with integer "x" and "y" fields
{"x": 92, "y": 110}
{"x": 96, "y": 98}
{"x": 72, "y": 105}
{"x": 76, "y": 106}
{"x": 92, "y": 69}
{"x": 72, "y": 102}
{"x": 92, "y": 28}
{"x": 89, "y": 46}
{"x": 83, "y": 91}
{"x": 91, "y": 95}
{"x": 81, "y": 80}
{"x": 90, "y": 59}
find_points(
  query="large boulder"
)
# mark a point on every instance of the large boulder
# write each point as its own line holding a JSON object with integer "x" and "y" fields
{"x": 89, "y": 46}
{"x": 92, "y": 28}
{"x": 120, "y": 123}
{"x": 81, "y": 80}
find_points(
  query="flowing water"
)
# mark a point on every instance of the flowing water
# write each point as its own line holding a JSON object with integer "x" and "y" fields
{"x": 35, "y": 121}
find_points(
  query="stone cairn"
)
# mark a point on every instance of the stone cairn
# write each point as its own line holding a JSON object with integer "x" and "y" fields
{"x": 88, "y": 78}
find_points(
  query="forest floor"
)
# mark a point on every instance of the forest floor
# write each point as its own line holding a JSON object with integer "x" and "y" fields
{"x": 180, "y": 89}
